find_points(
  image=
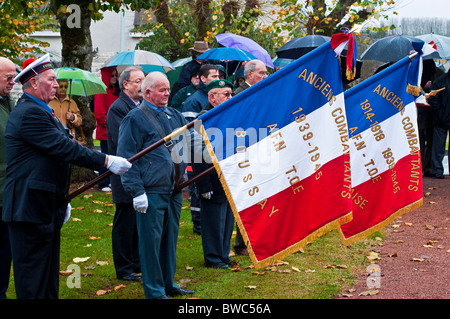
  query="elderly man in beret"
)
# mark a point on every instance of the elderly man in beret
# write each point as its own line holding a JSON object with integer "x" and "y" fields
{"x": 217, "y": 218}
{"x": 39, "y": 154}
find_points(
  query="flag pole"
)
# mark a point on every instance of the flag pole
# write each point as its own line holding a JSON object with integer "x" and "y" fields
{"x": 133, "y": 158}
{"x": 196, "y": 178}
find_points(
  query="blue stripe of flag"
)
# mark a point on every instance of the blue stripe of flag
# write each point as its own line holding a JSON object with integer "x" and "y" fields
{"x": 386, "y": 94}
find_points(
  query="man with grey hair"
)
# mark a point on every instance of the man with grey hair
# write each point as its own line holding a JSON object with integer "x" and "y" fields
{"x": 124, "y": 231}
{"x": 7, "y": 74}
{"x": 151, "y": 182}
{"x": 254, "y": 71}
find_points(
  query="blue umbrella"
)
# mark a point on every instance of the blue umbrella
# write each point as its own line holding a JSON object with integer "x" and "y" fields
{"x": 226, "y": 54}
{"x": 149, "y": 61}
{"x": 231, "y": 40}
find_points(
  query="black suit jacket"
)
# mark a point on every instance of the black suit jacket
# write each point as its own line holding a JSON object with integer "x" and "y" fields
{"x": 39, "y": 154}
{"x": 117, "y": 111}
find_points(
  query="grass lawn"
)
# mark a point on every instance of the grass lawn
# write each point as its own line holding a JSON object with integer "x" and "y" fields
{"x": 323, "y": 268}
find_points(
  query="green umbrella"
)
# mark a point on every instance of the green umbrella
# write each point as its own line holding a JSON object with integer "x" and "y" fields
{"x": 81, "y": 82}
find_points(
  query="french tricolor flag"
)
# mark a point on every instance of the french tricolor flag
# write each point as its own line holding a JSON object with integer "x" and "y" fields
{"x": 385, "y": 159}
{"x": 281, "y": 149}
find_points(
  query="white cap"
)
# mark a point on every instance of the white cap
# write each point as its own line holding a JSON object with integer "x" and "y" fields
{"x": 32, "y": 67}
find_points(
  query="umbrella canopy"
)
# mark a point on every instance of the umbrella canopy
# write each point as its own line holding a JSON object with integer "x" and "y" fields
{"x": 149, "y": 61}
{"x": 392, "y": 49}
{"x": 441, "y": 42}
{"x": 81, "y": 82}
{"x": 280, "y": 62}
{"x": 231, "y": 40}
{"x": 226, "y": 54}
{"x": 298, "y": 47}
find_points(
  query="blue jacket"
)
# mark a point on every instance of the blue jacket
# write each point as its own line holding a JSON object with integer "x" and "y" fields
{"x": 155, "y": 171}
{"x": 195, "y": 103}
{"x": 39, "y": 154}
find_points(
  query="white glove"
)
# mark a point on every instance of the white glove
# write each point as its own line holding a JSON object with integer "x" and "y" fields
{"x": 207, "y": 195}
{"x": 140, "y": 203}
{"x": 68, "y": 213}
{"x": 118, "y": 165}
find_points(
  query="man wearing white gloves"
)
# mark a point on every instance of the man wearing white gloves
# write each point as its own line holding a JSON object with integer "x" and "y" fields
{"x": 39, "y": 155}
{"x": 217, "y": 219}
{"x": 151, "y": 183}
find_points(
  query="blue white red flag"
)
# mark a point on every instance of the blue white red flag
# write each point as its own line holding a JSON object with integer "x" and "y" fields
{"x": 384, "y": 149}
{"x": 281, "y": 149}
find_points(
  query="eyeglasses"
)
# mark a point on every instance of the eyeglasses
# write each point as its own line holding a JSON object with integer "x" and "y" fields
{"x": 9, "y": 78}
{"x": 227, "y": 94}
{"x": 136, "y": 81}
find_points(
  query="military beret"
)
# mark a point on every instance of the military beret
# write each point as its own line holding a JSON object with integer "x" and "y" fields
{"x": 218, "y": 84}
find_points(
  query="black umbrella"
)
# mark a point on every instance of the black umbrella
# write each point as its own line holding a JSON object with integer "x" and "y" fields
{"x": 298, "y": 47}
{"x": 392, "y": 49}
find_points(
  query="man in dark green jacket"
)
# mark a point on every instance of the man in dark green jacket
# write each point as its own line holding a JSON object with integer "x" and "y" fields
{"x": 7, "y": 74}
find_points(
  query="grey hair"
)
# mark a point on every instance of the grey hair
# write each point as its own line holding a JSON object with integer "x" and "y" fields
{"x": 27, "y": 84}
{"x": 125, "y": 75}
{"x": 152, "y": 79}
{"x": 250, "y": 66}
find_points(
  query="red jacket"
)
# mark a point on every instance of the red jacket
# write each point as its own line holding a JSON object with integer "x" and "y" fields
{"x": 102, "y": 102}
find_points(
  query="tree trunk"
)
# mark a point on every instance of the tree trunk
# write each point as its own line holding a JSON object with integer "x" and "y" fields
{"x": 77, "y": 52}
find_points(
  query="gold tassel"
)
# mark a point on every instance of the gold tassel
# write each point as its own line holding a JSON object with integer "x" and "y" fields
{"x": 350, "y": 74}
{"x": 413, "y": 89}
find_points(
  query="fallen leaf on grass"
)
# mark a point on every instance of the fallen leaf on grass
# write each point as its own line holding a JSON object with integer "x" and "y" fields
{"x": 101, "y": 263}
{"x": 336, "y": 266}
{"x": 97, "y": 211}
{"x": 296, "y": 269}
{"x": 284, "y": 271}
{"x": 373, "y": 256}
{"x": 259, "y": 273}
{"x": 369, "y": 293}
{"x": 250, "y": 287}
{"x": 119, "y": 287}
{"x": 310, "y": 270}
{"x": 79, "y": 208}
{"x": 76, "y": 219}
{"x": 102, "y": 292}
{"x": 80, "y": 259}
{"x": 65, "y": 272}
{"x": 93, "y": 238}
{"x": 97, "y": 202}
{"x": 189, "y": 268}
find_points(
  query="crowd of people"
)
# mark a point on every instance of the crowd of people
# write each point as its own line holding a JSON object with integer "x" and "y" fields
{"x": 38, "y": 147}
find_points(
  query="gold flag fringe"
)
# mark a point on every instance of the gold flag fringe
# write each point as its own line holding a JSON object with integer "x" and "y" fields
{"x": 381, "y": 225}
{"x": 413, "y": 89}
{"x": 286, "y": 252}
{"x": 350, "y": 74}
